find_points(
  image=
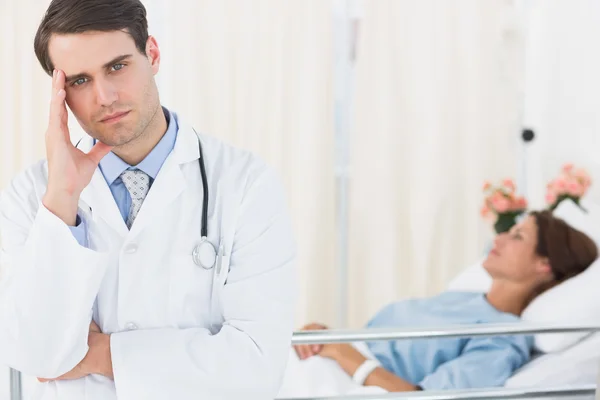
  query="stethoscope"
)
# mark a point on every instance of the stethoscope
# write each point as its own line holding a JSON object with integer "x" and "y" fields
{"x": 204, "y": 253}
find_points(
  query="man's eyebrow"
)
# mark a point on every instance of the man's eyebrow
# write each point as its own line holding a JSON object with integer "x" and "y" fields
{"x": 116, "y": 60}
{"x": 112, "y": 62}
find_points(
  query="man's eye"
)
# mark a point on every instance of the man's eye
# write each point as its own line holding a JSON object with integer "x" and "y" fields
{"x": 118, "y": 67}
{"x": 79, "y": 81}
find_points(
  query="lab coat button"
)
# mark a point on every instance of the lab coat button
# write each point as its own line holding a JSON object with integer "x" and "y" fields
{"x": 130, "y": 326}
{"x": 131, "y": 248}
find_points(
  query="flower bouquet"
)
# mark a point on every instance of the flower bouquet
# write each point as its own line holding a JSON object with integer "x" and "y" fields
{"x": 570, "y": 184}
{"x": 502, "y": 206}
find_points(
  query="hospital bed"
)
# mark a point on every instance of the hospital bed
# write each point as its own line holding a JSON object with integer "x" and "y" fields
{"x": 564, "y": 321}
{"x": 567, "y": 374}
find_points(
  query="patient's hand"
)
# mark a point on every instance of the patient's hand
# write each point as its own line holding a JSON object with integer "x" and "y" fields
{"x": 305, "y": 351}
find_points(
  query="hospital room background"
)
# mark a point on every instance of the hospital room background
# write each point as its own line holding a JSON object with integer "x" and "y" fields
{"x": 384, "y": 118}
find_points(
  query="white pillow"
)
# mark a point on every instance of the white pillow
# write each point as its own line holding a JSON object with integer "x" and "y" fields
{"x": 473, "y": 279}
{"x": 575, "y": 301}
{"x": 577, "y": 365}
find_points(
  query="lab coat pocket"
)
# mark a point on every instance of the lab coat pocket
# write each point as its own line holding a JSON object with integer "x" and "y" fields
{"x": 190, "y": 293}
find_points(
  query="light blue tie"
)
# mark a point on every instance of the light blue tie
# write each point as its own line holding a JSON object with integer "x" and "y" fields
{"x": 137, "y": 183}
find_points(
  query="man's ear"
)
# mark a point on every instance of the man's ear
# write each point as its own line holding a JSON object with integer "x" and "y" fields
{"x": 153, "y": 53}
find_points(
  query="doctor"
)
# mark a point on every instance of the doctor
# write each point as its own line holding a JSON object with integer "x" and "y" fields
{"x": 147, "y": 261}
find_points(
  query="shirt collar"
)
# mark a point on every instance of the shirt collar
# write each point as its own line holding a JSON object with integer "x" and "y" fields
{"x": 112, "y": 166}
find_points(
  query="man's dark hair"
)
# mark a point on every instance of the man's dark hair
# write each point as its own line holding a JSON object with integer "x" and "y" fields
{"x": 78, "y": 16}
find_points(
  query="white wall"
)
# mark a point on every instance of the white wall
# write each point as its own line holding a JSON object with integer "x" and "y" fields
{"x": 562, "y": 91}
{"x": 436, "y": 115}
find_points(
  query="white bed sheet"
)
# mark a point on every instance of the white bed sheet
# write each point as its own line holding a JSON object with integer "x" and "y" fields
{"x": 320, "y": 377}
{"x": 576, "y": 365}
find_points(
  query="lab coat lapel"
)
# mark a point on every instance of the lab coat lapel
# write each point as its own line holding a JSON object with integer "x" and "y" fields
{"x": 97, "y": 199}
{"x": 170, "y": 181}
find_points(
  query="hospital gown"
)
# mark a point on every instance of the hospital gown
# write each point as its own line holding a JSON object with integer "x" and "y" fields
{"x": 449, "y": 363}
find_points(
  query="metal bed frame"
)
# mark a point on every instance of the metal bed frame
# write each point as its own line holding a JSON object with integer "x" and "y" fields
{"x": 488, "y": 394}
{"x": 341, "y": 336}
{"x": 344, "y": 336}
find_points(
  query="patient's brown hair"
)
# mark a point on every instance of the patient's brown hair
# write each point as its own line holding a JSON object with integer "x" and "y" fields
{"x": 568, "y": 250}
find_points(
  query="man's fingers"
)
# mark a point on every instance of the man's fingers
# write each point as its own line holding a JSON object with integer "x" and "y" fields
{"x": 57, "y": 105}
{"x": 59, "y": 80}
{"x": 68, "y": 376}
{"x": 98, "y": 152}
{"x": 94, "y": 327}
{"x": 58, "y": 109}
{"x": 54, "y": 87}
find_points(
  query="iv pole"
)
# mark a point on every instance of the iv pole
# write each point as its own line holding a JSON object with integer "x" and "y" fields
{"x": 345, "y": 34}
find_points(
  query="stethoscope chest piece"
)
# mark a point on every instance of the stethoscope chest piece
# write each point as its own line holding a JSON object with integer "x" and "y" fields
{"x": 204, "y": 254}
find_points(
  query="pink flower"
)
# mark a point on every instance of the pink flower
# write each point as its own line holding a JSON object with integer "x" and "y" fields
{"x": 560, "y": 185}
{"x": 581, "y": 173}
{"x": 584, "y": 178}
{"x": 571, "y": 182}
{"x": 574, "y": 189}
{"x": 509, "y": 184}
{"x": 567, "y": 167}
{"x": 486, "y": 186}
{"x": 501, "y": 204}
{"x": 496, "y": 195}
{"x": 485, "y": 211}
{"x": 551, "y": 198}
{"x": 520, "y": 204}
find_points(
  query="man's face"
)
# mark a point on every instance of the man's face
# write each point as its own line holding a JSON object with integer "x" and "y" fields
{"x": 107, "y": 76}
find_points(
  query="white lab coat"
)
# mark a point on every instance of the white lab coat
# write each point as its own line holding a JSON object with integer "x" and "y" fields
{"x": 170, "y": 337}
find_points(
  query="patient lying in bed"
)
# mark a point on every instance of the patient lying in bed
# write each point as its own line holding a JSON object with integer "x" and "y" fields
{"x": 540, "y": 252}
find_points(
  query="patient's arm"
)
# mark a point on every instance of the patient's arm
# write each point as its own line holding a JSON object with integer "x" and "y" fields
{"x": 350, "y": 359}
{"x": 390, "y": 382}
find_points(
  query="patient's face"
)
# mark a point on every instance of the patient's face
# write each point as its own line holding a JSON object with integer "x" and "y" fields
{"x": 513, "y": 257}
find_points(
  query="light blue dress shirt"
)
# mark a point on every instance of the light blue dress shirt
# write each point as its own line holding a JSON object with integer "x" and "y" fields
{"x": 449, "y": 363}
{"x": 112, "y": 167}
